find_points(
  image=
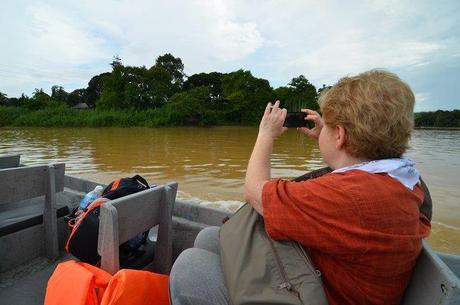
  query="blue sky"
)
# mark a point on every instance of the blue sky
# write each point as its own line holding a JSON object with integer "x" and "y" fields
{"x": 66, "y": 43}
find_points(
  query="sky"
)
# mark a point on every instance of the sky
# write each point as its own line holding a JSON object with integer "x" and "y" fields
{"x": 46, "y": 43}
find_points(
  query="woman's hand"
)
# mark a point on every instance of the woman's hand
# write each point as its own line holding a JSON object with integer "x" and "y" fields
{"x": 271, "y": 124}
{"x": 316, "y": 118}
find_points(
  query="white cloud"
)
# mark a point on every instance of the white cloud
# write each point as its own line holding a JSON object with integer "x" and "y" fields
{"x": 57, "y": 37}
{"x": 325, "y": 44}
{"x": 68, "y": 42}
{"x": 204, "y": 34}
{"x": 230, "y": 40}
{"x": 421, "y": 97}
{"x": 50, "y": 45}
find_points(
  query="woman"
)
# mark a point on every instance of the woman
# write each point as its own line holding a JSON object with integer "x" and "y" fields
{"x": 361, "y": 223}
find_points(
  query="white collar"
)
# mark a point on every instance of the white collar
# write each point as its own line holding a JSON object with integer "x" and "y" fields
{"x": 401, "y": 169}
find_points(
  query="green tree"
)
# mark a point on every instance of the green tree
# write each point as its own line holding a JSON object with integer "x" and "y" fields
{"x": 160, "y": 86}
{"x": 59, "y": 94}
{"x": 136, "y": 87}
{"x": 13, "y": 101}
{"x": 211, "y": 80}
{"x": 3, "y": 99}
{"x": 116, "y": 61}
{"x": 175, "y": 68}
{"x": 299, "y": 93}
{"x": 191, "y": 107}
{"x": 324, "y": 87}
{"x": 112, "y": 94}
{"x": 438, "y": 118}
{"x": 76, "y": 97}
{"x": 94, "y": 90}
{"x": 136, "y": 91}
{"x": 246, "y": 96}
{"x": 23, "y": 100}
{"x": 39, "y": 100}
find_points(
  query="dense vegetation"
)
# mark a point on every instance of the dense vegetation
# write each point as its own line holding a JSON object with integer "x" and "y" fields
{"x": 438, "y": 119}
{"x": 161, "y": 95}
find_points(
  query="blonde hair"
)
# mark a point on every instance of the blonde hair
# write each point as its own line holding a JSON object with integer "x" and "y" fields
{"x": 376, "y": 110}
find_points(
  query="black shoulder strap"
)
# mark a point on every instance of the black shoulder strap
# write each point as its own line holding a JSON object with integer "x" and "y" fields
{"x": 426, "y": 208}
{"x": 313, "y": 174}
{"x": 141, "y": 179}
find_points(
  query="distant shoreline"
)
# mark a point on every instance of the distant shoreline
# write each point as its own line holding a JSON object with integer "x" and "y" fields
{"x": 437, "y": 128}
{"x": 61, "y": 115}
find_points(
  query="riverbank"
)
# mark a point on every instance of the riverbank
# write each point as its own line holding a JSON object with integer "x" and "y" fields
{"x": 436, "y": 128}
{"x": 67, "y": 117}
{"x": 62, "y": 116}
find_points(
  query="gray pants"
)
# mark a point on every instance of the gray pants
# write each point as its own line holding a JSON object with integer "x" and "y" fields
{"x": 196, "y": 277}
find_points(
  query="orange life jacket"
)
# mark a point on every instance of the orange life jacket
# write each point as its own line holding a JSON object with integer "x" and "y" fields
{"x": 77, "y": 283}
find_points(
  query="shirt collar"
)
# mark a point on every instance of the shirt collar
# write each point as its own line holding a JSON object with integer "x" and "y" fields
{"x": 401, "y": 169}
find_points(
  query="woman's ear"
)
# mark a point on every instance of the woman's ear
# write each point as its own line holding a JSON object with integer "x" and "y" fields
{"x": 340, "y": 137}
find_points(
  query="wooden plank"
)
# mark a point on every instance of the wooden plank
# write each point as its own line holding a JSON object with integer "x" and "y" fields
{"x": 8, "y": 161}
{"x": 28, "y": 182}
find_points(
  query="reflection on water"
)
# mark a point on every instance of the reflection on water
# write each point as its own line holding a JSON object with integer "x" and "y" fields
{"x": 209, "y": 163}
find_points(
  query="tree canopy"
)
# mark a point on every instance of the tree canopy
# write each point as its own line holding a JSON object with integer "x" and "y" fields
{"x": 3, "y": 99}
{"x": 438, "y": 118}
{"x": 299, "y": 94}
{"x": 200, "y": 99}
{"x": 234, "y": 98}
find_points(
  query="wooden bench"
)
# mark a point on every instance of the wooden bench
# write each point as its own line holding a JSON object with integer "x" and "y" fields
{"x": 123, "y": 218}
{"x": 433, "y": 282}
{"x": 8, "y": 161}
{"x": 18, "y": 186}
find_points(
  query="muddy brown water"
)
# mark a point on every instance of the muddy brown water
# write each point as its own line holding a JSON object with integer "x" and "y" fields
{"x": 209, "y": 163}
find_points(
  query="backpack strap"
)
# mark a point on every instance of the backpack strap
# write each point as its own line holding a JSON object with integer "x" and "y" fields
{"x": 141, "y": 180}
{"x": 95, "y": 204}
{"x": 115, "y": 184}
{"x": 313, "y": 174}
{"x": 427, "y": 206}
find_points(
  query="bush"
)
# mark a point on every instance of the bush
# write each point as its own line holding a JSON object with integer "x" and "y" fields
{"x": 8, "y": 115}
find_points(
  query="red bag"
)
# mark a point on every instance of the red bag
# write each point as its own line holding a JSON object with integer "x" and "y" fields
{"x": 77, "y": 283}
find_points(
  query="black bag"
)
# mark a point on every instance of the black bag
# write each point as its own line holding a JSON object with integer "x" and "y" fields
{"x": 82, "y": 241}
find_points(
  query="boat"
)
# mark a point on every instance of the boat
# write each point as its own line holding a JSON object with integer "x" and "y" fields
{"x": 25, "y": 266}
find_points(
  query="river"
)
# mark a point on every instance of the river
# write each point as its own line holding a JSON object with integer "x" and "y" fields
{"x": 209, "y": 163}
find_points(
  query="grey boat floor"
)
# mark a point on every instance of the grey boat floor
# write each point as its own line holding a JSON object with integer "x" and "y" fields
{"x": 26, "y": 285}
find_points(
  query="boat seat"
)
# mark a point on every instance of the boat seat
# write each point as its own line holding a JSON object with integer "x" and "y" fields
{"x": 22, "y": 217}
{"x": 8, "y": 161}
{"x": 123, "y": 218}
{"x": 20, "y": 187}
{"x": 432, "y": 282}
{"x": 453, "y": 261}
